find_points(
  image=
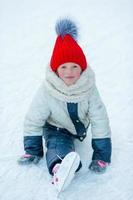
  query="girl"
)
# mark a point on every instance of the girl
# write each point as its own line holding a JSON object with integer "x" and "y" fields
{"x": 65, "y": 105}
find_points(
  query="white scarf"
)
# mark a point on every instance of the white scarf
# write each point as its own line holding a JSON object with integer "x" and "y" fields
{"x": 73, "y": 93}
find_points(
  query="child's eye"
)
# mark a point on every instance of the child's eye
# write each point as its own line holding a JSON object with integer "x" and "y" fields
{"x": 63, "y": 67}
{"x": 74, "y": 66}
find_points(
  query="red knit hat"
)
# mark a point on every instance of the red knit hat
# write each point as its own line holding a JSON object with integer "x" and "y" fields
{"x": 66, "y": 48}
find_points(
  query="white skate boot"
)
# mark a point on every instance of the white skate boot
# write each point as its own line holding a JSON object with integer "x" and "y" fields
{"x": 64, "y": 172}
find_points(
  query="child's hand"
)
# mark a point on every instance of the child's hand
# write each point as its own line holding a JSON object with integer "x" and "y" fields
{"x": 27, "y": 159}
{"x": 98, "y": 166}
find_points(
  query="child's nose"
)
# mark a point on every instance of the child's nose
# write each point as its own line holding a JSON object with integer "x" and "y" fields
{"x": 69, "y": 71}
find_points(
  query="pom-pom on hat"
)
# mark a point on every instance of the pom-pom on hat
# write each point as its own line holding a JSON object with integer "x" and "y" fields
{"x": 66, "y": 48}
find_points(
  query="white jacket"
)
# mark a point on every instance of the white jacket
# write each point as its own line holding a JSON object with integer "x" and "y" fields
{"x": 50, "y": 104}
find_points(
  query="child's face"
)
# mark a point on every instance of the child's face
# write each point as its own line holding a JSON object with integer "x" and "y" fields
{"x": 69, "y": 73}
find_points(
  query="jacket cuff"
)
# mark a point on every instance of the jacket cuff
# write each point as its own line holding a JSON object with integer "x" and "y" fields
{"x": 33, "y": 145}
{"x": 102, "y": 149}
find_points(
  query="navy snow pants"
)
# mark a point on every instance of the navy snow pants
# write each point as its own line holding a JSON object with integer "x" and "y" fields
{"x": 59, "y": 143}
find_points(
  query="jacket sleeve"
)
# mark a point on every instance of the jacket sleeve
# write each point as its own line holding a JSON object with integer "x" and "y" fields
{"x": 101, "y": 133}
{"x": 34, "y": 122}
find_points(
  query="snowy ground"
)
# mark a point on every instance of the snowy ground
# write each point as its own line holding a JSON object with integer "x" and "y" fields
{"x": 26, "y": 41}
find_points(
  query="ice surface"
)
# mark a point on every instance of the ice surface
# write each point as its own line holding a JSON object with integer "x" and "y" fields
{"x": 27, "y": 37}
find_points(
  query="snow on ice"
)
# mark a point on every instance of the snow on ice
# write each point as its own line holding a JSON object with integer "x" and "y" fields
{"x": 27, "y": 36}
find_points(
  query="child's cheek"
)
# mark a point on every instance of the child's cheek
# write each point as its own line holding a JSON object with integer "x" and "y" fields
{"x": 61, "y": 75}
{"x": 78, "y": 74}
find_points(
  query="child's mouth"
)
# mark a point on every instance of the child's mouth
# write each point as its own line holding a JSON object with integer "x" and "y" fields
{"x": 69, "y": 77}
